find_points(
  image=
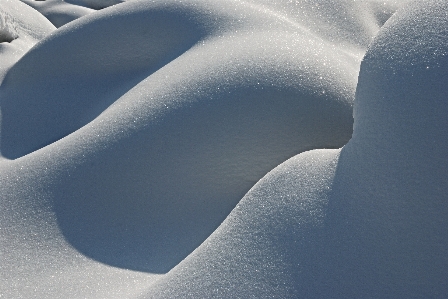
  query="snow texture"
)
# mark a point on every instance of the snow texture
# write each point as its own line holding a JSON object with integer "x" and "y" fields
{"x": 204, "y": 149}
{"x": 61, "y": 12}
{"x": 366, "y": 221}
{"x": 20, "y": 28}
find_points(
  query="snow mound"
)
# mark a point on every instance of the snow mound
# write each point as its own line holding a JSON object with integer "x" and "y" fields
{"x": 59, "y": 12}
{"x": 20, "y": 28}
{"x": 189, "y": 139}
{"x": 269, "y": 246}
{"x": 366, "y": 221}
{"x": 138, "y": 143}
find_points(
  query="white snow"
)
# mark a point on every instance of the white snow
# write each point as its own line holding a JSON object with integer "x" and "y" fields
{"x": 59, "y": 12}
{"x": 366, "y": 221}
{"x": 20, "y": 28}
{"x": 146, "y": 149}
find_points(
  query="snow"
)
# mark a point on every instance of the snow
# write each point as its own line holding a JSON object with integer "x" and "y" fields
{"x": 59, "y": 12}
{"x": 200, "y": 149}
{"x": 20, "y": 28}
{"x": 366, "y": 221}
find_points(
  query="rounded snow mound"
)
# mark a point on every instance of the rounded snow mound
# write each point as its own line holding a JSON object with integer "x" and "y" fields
{"x": 20, "y": 28}
{"x": 59, "y": 12}
{"x": 137, "y": 130}
{"x": 367, "y": 221}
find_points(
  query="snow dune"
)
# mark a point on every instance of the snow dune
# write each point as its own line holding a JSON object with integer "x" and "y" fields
{"x": 131, "y": 133}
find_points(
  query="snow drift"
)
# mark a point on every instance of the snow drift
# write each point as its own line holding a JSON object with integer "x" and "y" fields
{"x": 165, "y": 128}
{"x": 20, "y": 28}
{"x": 366, "y": 221}
{"x": 131, "y": 133}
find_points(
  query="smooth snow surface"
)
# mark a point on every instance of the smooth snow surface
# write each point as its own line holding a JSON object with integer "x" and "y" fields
{"x": 367, "y": 221}
{"x": 61, "y": 12}
{"x": 144, "y": 144}
{"x": 58, "y": 12}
